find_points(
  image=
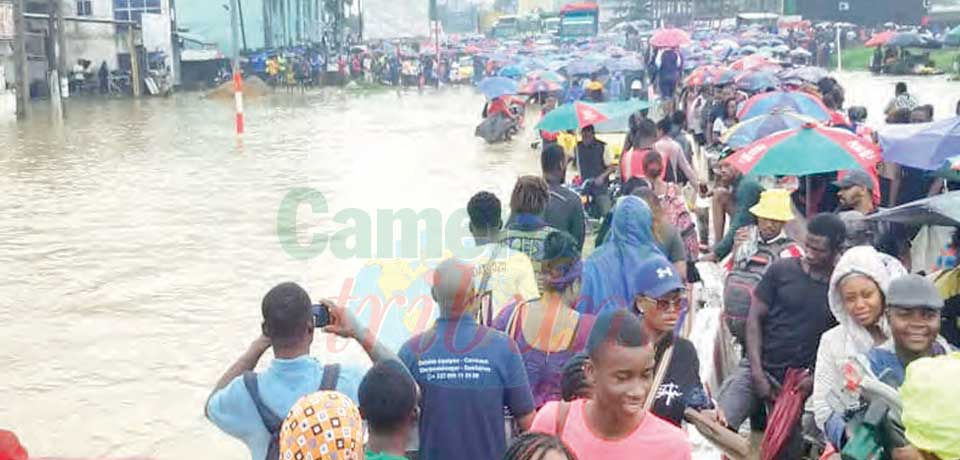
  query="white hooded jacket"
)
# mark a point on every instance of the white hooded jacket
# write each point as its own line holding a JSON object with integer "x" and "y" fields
{"x": 848, "y": 339}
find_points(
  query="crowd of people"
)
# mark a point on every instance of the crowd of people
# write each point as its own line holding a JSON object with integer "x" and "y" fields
{"x": 560, "y": 342}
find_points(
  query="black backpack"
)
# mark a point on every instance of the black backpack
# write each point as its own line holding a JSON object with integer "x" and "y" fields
{"x": 272, "y": 421}
{"x": 740, "y": 283}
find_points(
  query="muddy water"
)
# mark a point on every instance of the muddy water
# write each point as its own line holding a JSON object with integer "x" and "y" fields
{"x": 137, "y": 239}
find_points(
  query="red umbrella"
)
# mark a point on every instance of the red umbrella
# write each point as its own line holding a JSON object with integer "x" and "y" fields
{"x": 786, "y": 414}
{"x": 707, "y": 74}
{"x": 753, "y": 62}
{"x": 540, "y": 86}
{"x": 880, "y": 39}
{"x": 669, "y": 38}
{"x": 811, "y": 149}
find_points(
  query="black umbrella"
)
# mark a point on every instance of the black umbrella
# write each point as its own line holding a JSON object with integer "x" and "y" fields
{"x": 943, "y": 210}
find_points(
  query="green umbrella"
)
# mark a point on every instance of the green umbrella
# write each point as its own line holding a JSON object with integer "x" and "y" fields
{"x": 580, "y": 114}
{"x": 953, "y": 37}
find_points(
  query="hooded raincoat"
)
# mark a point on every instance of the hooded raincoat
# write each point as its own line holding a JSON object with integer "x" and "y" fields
{"x": 849, "y": 339}
{"x": 609, "y": 274}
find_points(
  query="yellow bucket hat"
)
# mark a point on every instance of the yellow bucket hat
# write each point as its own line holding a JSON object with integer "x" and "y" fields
{"x": 594, "y": 85}
{"x": 774, "y": 205}
{"x": 322, "y": 425}
{"x": 931, "y": 414}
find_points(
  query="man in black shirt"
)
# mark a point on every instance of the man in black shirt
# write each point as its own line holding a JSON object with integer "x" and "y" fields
{"x": 564, "y": 207}
{"x": 785, "y": 322}
{"x": 595, "y": 166}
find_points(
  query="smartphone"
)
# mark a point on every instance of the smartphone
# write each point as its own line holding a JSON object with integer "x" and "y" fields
{"x": 321, "y": 316}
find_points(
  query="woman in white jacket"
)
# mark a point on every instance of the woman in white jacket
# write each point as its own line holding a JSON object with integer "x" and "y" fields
{"x": 857, "y": 300}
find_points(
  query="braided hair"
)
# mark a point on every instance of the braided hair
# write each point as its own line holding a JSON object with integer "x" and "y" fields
{"x": 530, "y": 195}
{"x": 536, "y": 446}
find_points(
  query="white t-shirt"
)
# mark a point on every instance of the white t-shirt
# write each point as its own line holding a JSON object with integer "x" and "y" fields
{"x": 512, "y": 277}
{"x": 719, "y": 126}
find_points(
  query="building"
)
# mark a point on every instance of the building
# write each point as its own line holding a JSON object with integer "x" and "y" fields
{"x": 264, "y": 23}
{"x": 864, "y": 12}
{"x": 98, "y": 31}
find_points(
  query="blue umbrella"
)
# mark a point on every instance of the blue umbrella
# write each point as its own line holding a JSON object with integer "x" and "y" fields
{"x": 754, "y": 129}
{"x": 927, "y": 149}
{"x": 494, "y": 87}
{"x": 765, "y": 103}
{"x": 511, "y": 71}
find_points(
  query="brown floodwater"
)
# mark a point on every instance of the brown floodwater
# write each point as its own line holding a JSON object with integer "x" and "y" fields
{"x": 138, "y": 237}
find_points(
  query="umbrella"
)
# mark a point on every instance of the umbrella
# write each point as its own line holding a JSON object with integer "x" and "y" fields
{"x": 547, "y": 75}
{"x": 757, "y": 81}
{"x": 752, "y": 63}
{"x": 811, "y": 149}
{"x": 747, "y": 50}
{"x": 802, "y": 103}
{"x": 571, "y": 116}
{"x": 927, "y": 149}
{"x": 709, "y": 75}
{"x": 786, "y": 413}
{"x": 807, "y": 74}
{"x": 494, "y": 87}
{"x": 800, "y": 52}
{"x": 754, "y": 129}
{"x": 943, "y": 210}
{"x": 511, "y": 71}
{"x": 880, "y": 39}
{"x": 913, "y": 40}
{"x": 627, "y": 64}
{"x": 953, "y": 37}
{"x": 669, "y": 38}
{"x": 540, "y": 86}
{"x": 583, "y": 67}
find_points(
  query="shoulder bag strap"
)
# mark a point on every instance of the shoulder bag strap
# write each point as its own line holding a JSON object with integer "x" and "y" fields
{"x": 270, "y": 420}
{"x": 514, "y": 323}
{"x": 331, "y": 374}
{"x": 486, "y": 309}
{"x": 563, "y": 411}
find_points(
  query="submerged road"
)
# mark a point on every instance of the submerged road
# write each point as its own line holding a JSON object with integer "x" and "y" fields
{"x": 139, "y": 237}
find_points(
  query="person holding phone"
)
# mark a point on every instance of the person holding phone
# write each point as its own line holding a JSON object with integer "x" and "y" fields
{"x": 250, "y": 406}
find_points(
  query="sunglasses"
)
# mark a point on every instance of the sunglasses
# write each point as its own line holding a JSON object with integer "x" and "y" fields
{"x": 665, "y": 305}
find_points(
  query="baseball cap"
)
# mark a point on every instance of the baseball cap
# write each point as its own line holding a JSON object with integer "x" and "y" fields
{"x": 855, "y": 177}
{"x": 914, "y": 291}
{"x": 656, "y": 278}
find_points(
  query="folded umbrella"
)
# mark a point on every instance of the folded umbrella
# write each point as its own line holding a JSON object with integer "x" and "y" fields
{"x": 927, "y": 149}
{"x": 669, "y": 38}
{"x": 785, "y": 416}
{"x": 943, "y": 210}
{"x": 494, "y": 87}
{"x": 811, "y": 149}
{"x": 801, "y": 103}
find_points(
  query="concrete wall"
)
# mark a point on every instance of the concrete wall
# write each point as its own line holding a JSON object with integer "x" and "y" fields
{"x": 209, "y": 19}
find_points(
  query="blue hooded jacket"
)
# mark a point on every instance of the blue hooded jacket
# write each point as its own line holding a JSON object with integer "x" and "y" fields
{"x": 611, "y": 273}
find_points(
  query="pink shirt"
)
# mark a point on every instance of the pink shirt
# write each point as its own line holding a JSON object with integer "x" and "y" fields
{"x": 671, "y": 151}
{"x": 654, "y": 437}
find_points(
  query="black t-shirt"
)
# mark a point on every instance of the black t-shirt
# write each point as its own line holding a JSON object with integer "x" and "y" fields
{"x": 590, "y": 159}
{"x": 681, "y": 387}
{"x": 565, "y": 212}
{"x": 799, "y": 313}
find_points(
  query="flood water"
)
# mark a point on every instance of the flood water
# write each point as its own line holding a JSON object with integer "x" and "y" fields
{"x": 138, "y": 238}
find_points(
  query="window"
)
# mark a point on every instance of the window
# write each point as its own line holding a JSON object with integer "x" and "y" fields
{"x": 130, "y": 10}
{"x": 84, "y": 7}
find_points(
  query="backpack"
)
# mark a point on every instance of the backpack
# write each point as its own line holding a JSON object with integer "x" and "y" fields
{"x": 272, "y": 421}
{"x": 742, "y": 280}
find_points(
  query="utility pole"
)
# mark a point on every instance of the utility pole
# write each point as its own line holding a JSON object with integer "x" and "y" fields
{"x": 53, "y": 58}
{"x": 135, "y": 80}
{"x": 268, "y": 23}
{"x": 20, "y": 58}
{"x": 243, "y": 30}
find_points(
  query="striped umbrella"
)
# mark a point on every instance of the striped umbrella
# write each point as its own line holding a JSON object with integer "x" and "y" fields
{"x": 767, "y": 103}
{"x": 754, "y": 129}
{"x": 811, "y": 149}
